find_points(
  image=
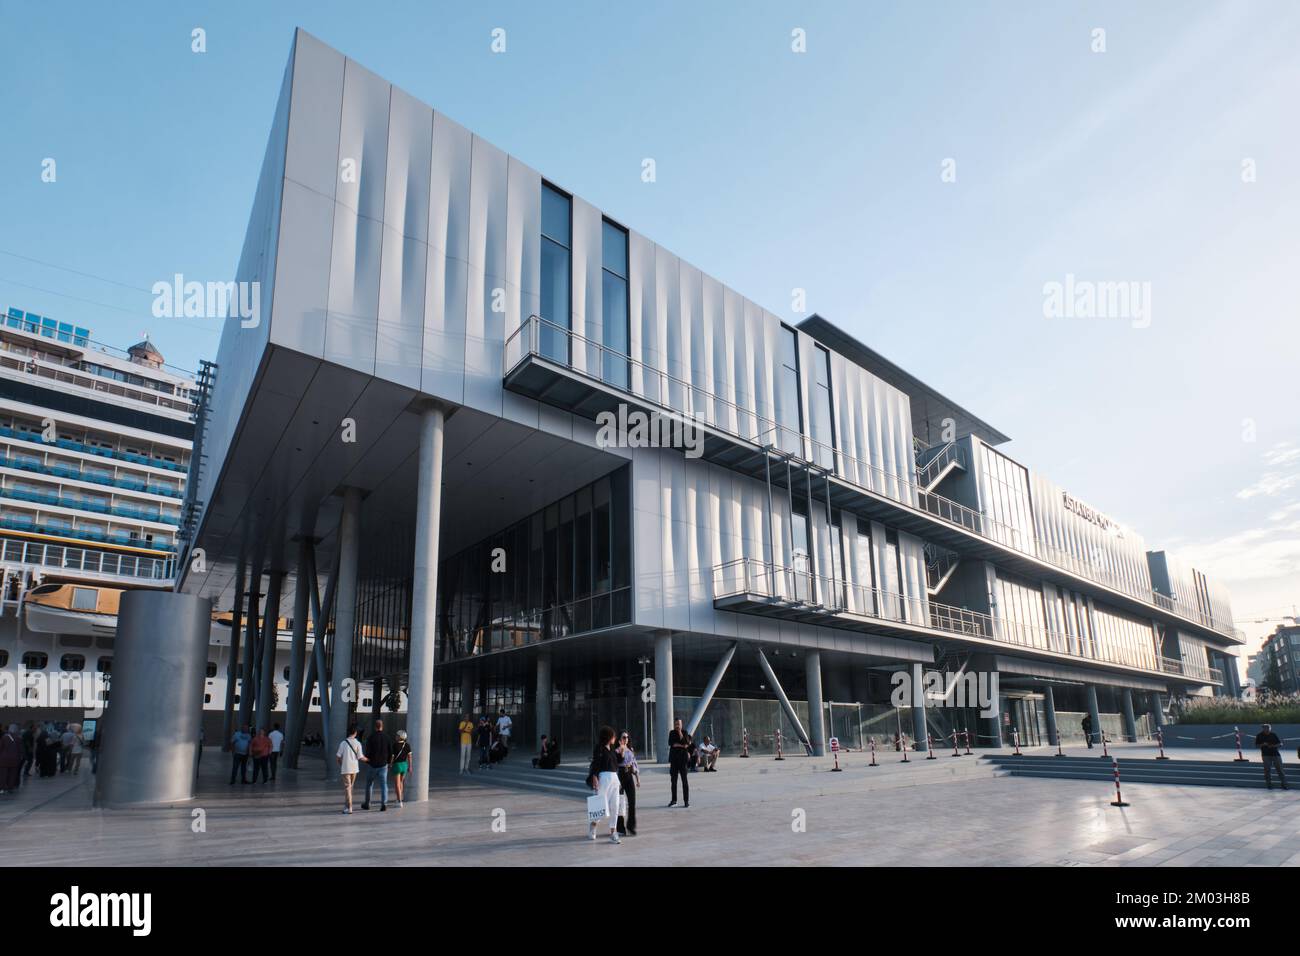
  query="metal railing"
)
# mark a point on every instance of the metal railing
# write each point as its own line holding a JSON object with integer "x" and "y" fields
{"x": 71, "y": 445}
{"x": 88, "y": 560}
{"x": 79, "y": 503}
{"x": 949, "y": 453}
{"x": 540, "y": 337}
{"x": 36, "y": 466}
{"x": 804, "y": 591}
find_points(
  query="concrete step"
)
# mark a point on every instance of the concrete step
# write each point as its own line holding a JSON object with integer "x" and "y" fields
{"x": 567, "y": 779}
{"x": 1205, "y": 773}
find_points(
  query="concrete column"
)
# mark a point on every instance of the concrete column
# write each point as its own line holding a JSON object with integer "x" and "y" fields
{"x": 1130, "y": 722}
{"x": 252, "y": 621}
{"x": 1049, "y": 711}
{"x": 543, "y": 703}
{"x": 270, "y": 635}
{"x": 150, "y": 742}
{"x": 298, "y": 652}
{"x": 345, "y": 618}
{"x": 663, "y": 694}
{"x": 816, "y": 718}
{"x": 232, "y": 660}
{"x": 1094, "y": 713}
{"x": 918, "y": 706}
{"x": 424, "y": 599}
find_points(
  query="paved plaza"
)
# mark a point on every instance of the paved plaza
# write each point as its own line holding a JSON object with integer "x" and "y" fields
{"x": 943, "y": 812}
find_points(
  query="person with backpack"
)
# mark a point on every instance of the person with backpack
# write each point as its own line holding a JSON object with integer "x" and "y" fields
{"x": 379, "y": 752}
{"x": 349, "y": 758}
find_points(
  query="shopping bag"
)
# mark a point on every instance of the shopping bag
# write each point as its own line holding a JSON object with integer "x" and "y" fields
{"x": 622, "y": 805}
{"x": 596, "y": 808}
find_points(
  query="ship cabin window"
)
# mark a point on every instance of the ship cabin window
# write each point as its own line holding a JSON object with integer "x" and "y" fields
{"x": 35, "y": 660}
{"x": 104, "y": 665}
{"x": 72, "y": 662}
{"x": 4, "y": 657}
{"x": 212, "y": 668}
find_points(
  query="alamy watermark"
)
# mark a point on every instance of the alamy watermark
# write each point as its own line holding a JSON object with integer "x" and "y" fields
{"x": 84, "y": 689}
{"x": 633, "y": 428}
{"x": 208, "y": 300}
{"x": 947, "y": 689}
{"x": 1086, "y": 299}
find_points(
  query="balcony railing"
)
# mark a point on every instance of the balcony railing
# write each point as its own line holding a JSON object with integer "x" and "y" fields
{"x": 591, "y": 360}
{"x": 87, "y": 560}
{"x": 803, "y": 591}
{"x": 77, "y": 502}
{"x": 69, "y": 444}
{"x": 123, "y": 538}
{"x": 37, "y": 466}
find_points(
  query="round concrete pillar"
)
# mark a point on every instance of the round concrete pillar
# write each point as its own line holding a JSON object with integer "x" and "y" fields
{"x": 149, "y": 750}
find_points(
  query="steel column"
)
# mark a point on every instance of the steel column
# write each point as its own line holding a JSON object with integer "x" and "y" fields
{"x": 816, "y": 715}
{"x": 270, "y": 637}
{"x": 248, "y": 684}
{"x": 232, "y": 658}
{"x": 780, "y": 693}
{"x": 342, "y": 686}
{"x": 1049, "y": 710}
{"x": 711, "y": 688}
{"x": 297, "y": 651}
{"x": 1130, "y": 722}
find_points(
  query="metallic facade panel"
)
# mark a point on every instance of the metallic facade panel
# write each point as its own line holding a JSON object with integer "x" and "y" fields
{"x": 410, "y": 150}
{"x": 486, "y": 292}
{"x": 311, "y": 155}
{"x": 523, "y": 272}
{"x": 363, "y": 142}
{"x": 449, "y": 188}
{"x": 301, "y": 283}
{"x": 353, "y": 312}
{"x": 585, "y": 257}
{"x": 443, "y": 354}
{"x": 399, "y": 337}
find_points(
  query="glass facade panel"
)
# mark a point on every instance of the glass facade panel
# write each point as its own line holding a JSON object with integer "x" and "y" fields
{"x": 613, "y": 277}
{"x": 566, "y": 572}
{"x": 557, "y": 274}
{"x": 789, "y": 415}
{"x": 823, "y": 428}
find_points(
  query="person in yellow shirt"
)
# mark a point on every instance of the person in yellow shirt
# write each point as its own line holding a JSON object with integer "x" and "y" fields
{"x": 466, "y": 729}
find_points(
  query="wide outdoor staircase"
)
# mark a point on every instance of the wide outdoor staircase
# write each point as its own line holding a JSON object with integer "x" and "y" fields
{"x": 1182, "y": 773}
{"x": 565, "y": 780}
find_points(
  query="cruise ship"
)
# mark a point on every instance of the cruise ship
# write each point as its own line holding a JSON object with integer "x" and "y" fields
{"x": 95, "y": 452}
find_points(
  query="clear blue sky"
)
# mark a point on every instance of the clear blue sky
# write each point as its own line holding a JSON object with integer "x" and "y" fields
{"x": 779, "y": 170}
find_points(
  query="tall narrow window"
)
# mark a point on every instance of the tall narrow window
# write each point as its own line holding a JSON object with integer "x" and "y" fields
{"x": 557, "y": 275}
{"x": 613, "y": 277}
{"x": 821, "y": 410}
{"x": 789, "y": 416}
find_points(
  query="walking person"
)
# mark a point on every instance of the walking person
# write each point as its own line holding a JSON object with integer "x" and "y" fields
{"x": 1270, "y": 751}
{"x": 466, "y": 729}
{"x": 277, "y": 745}
{"x": 1086, "y": 724}
{"x": 602, "y": 777}
{"x": 29, "y": 749}
{"x": 504, "y": 726}
{"x": 47, "y": 753}
{"x": 401, "y": 764}
{"x": 629, "y": 779}
{"x": 239, "y": 744}
{"x": 259, "y": 748}
{"x": 349, "y": 758}
{"x": 73, "y": 744}
{"x": 65, "y": 748}
{"x": 483, "y": 739}
{"x": 679, "y": 757}
{"x": 11, "y": 760}
{"x": 379, "y": 753}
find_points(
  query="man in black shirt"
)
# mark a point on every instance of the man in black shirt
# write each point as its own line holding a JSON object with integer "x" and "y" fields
{"x": 483, "y": 740}
{"x": 679, "y": 756}
{"x": 379, "y": 752}
{"x": 1269, "y": 745}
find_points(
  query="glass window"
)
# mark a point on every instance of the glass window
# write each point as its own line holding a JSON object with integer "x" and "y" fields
{"x": 789, "y": 416}
{"x": 72, "y": 662}
{"x": 823, "y": 422}
{"x": 35, "y": 660}
{"x": 85, "y": 599}
{"x": 557, "y": 275}
{"x": 613, "y": 277}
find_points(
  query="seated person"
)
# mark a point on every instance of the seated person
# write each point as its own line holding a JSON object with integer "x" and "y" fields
{"x": 709, "y": 755}
{"x": 549, "y": 757}
{"x": 498, "y": 752}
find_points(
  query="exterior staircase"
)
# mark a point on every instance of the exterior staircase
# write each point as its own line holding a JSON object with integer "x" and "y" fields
{"x": 1182, "y": 773}
{"x": 935, "y": 464}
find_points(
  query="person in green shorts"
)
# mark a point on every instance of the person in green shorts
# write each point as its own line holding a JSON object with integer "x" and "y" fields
{"x": 401, "y": 764}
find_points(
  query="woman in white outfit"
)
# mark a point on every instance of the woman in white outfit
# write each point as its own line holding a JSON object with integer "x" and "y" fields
{"x": 602, "y": 777}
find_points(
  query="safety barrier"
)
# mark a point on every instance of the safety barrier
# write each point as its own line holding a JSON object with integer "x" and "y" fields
{"x": 1119, "y": 797}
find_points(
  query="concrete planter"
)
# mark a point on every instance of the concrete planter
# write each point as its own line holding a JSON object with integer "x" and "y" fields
{"x": 1213, "y": 735}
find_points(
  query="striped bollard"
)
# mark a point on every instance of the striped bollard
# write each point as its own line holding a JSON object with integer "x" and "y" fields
{"x": 966, "y": 733}
{"x": 778, "y": 744}
{"x": 1160, "y": 739}
{"x": 1105, "y": 754}
{"x": 873, "y": 754}
{"x": 903, "y": 737}
{"x": 1240, "y": 757}
{"x": 955, "y": 751}
{"x": 1119, "y": 798}
{"x": 1059, "y": 752}
{"x": 744, "y": 748}
{"x": 1015, "y": 739}
{"x": 929, "y": 746}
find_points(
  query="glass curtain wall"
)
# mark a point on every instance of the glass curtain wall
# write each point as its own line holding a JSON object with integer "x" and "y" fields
{"x": 788, "y": 409}
{"x": 557, "y": 274}
{"x": 563, "y": 570}
{"x": 614, "y": 308}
